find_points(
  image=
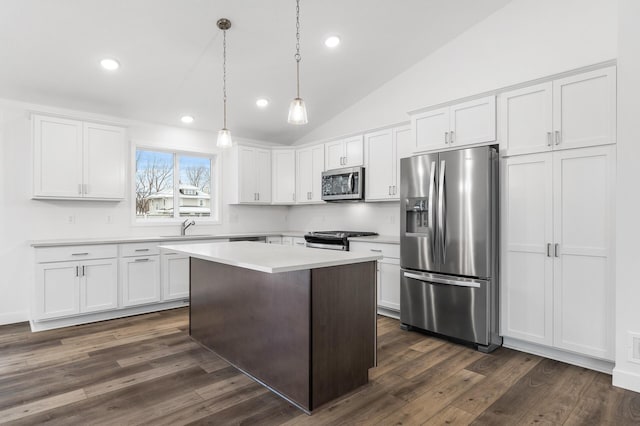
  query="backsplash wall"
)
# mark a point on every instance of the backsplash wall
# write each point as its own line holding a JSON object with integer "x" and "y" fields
{"x": 383, "y": 218}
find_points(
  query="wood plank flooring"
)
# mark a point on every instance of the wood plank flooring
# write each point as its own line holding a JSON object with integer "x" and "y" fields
{"x": 146, "y": 370}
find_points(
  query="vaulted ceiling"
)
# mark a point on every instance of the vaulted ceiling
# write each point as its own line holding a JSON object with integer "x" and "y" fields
{"x": 171, "y": 55}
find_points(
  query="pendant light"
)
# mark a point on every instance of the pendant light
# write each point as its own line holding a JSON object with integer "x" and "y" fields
{"x": 297, "y": 109}
{"x": 224, "y": 135}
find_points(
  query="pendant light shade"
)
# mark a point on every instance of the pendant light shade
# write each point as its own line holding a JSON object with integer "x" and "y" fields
{"x": 224, "y": 135}
{"x": 224, "y": 138}
{"x": 297, "y": 109}
{"x": 297, "y": 112}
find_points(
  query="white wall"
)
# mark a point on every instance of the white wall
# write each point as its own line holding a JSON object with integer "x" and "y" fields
{"x": 23, "y": 220}
{"x": 626, "y": 373}
{"x": 525, "y": 40}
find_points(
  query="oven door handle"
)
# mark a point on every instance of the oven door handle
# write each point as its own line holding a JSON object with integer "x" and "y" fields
{"x": 467, "y": 282}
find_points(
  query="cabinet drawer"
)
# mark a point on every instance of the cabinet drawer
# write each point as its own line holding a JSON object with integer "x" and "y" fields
{"x": 61, "y": 254}
{"x": 387, "y": 250}
{"x": 139, "y": 249}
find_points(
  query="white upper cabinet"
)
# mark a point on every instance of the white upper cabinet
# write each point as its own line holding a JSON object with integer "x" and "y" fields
{"x": 526, "y": 124}
{"x": 472, "y": 122}
{"x": 283, "y": 169}
{"x": 584, "y": 109}
{"x": 309, "y": 168}
{"x": 251, "y": 168}
{"x": 78, "y": 160}
{"x": 104, "y": 161}
{"x": 344, "y": 153}
{"x": 571, "y": 112}
{"x": 383, "y": 150}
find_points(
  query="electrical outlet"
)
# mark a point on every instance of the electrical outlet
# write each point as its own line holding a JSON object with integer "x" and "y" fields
{"x": 634, "y": 347}
{"x": 109, "y": 219}
{"x": 71, "y": 219}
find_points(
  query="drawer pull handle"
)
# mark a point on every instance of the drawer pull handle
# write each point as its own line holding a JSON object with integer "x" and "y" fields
{"x": 79, "y": 254}
{"x": 142, "y": 260}
{"x": 142, "y": 249}
{"x": 376, "y": 250}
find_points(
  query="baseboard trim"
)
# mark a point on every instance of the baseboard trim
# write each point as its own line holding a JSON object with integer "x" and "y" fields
{"x": 600, "y": 365}
{"x": 626, "y": 380}
{"x": 102, "y": 316}
{"x": 388, "y": 313}
{"x": 14, "y": 317}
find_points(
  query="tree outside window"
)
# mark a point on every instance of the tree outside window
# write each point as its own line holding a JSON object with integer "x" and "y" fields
{"x": 158, "y": 195}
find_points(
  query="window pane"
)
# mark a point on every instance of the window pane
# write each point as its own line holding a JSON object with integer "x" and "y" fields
{"x": 154, "y": 184}
{"x": 195, "y": 186}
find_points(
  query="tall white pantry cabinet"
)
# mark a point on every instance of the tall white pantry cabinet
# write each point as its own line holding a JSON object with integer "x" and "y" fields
{"x": 558, "y": 195}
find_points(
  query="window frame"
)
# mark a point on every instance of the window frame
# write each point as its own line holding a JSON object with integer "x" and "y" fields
{"x": 215, "y": 185}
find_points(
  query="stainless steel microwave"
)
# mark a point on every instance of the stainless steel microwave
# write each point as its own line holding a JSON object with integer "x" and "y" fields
{"x": 343, "y": 184}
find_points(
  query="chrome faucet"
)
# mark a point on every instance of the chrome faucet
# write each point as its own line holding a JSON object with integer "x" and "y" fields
{"x": 185, "y": 225}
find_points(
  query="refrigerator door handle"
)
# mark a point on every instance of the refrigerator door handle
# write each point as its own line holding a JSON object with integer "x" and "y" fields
{"x": 432, "y": 216}
{"x": 467, "y": 282}
{"x": 442, "y": 212}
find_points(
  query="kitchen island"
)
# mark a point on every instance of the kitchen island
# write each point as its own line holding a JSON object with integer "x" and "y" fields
{"x": 300, "y": 321}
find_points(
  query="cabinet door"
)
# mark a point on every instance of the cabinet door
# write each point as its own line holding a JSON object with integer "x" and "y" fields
{"x": 57, "y": 154}
{"x": 431, "y": 129}
{"x": 274, "y": 240}
{"x": 353, "y": 151}
{"x": 526, "y": 120}
{"x": 583, "y": 273}
{"x": 57, "y": 286}
{"x": 304, "y": 175}
{"x": 104, "y": 161}
{"x": 584, "y": 109}
{"x": 527, "y": 230}
{"x": 263, "y": 175}
{"x": 317, "y": 167}
{"x": 247, "y": 175}
{"x": 309, "y": 168}
{"x": 380, "y": 170}
{"x": 389, "y": 283}
{"x": 139, "y": 280}
{"x": 334, "y": 155}
{"x": 98, "y": 285}
{"x": 473, "y": 122}
{"x": 403, "y": 148}
{"x": 284, "y": 176}
{"x": 175, "y": 276}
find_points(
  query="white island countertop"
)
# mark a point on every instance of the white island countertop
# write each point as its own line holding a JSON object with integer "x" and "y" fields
{"x": 270, "y": 258}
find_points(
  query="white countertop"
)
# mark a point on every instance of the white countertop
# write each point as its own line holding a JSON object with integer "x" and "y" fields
{"x": 270, "y": 258}
{"x": 144, "y": 239}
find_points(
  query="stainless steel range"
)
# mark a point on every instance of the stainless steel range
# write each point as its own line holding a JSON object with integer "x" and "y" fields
{"x": 333, "y": 240}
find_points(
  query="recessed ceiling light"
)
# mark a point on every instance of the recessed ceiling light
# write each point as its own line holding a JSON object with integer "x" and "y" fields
{"x": 110, "y": 64}
{"x": 187, "y": 119}
{"x": 332, "y": 41}
{"x": 262, "y": 103}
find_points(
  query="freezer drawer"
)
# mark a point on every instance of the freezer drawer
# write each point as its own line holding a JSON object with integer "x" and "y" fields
{"x": 452, "y": 306}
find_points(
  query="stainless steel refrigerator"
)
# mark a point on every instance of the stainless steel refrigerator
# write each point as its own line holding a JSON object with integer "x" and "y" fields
{"x": 449, "y": 245}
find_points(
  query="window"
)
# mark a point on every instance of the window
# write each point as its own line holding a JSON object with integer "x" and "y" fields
{"x": 174, "y": 185}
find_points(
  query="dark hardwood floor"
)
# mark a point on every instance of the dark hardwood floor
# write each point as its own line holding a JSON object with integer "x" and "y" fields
{"x": 146, "y": 370}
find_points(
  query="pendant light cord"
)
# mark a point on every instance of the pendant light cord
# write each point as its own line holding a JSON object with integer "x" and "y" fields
{"x": 224, "y": 76}
{"x": 297, "y": 55}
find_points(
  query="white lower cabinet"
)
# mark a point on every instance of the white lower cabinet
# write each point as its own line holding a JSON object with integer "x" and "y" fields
{"x": 174, "y": 276}
{"x": 139, "y": 280}
{"x": 557, "y": 227}
{"x": 388, "y": 273}
{"x": 66, "y": 287}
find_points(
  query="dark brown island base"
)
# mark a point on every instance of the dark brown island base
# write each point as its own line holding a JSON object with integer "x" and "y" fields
{"x": 300, "y": 321}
